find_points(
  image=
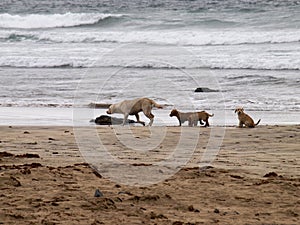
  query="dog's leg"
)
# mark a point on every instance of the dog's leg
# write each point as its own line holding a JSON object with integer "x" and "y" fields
{"x": 138, "y": 119}
{"x": 179, "y": 121}
{"x": 147, "y": 112}
{"x": 195, "y": 123}
{"x": 200, "y": 120}
{"x": 151, "y": 117}
{"x": 190, "y": 121}
{"x": 241, "y": 124}
{"x": 125, "y": 119}
{"x": 206, "y": 123}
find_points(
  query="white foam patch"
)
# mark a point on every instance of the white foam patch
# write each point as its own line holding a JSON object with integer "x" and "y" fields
{"x": 33, "y": 21}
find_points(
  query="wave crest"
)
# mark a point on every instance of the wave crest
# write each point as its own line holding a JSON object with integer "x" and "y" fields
{"x": 34, "y": 21}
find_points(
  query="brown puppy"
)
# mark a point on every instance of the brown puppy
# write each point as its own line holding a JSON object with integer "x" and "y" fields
{"x": 245, "y": 119}
{"x": 193, "y": 120}
{"x": 192, "y": 117}
{"x": 133, "y": 107}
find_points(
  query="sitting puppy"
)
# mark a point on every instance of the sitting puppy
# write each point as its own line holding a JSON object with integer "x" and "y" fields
{"x": 133, "y": 107}
{"x": 192, "y": 117}
{"x": 245, "y": 119}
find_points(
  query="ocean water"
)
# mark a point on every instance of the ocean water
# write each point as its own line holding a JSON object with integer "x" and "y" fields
{"x": 67, "y": 54}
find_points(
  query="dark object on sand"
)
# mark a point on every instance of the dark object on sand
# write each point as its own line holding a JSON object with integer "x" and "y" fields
{"x": 98, "y": 193}
{"x": 108, "y": 120}
{"x": 271, "y": 174}
{"x": 203, "y": 89}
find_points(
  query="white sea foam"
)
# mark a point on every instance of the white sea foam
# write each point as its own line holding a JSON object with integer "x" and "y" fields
{"x": 45, "y": 62}
{"x": 33, "y": 21}
{"x": 243, "y": 60}
{"x": 182, "y": 38}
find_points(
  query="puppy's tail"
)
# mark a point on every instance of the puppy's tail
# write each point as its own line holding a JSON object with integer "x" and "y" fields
{"x": 257, "y": 122}
{"x": 210, "y": 115}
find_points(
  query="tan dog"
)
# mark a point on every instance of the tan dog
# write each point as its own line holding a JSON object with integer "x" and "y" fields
{"x": 245, "y": 119}
{"x": 133, "y": 107}
{"x": 199, "y": 116}
{"x": 192, "y": 117}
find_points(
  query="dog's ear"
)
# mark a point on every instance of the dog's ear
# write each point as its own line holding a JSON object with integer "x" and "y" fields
{"x": 235, "y": 110}
{"x": 242, "y": 109}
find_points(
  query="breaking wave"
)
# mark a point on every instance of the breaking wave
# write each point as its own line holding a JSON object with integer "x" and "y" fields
{"x": 190, "y": 38}
{"x": 34, "y": 21}
{"x": 82, "y": 62}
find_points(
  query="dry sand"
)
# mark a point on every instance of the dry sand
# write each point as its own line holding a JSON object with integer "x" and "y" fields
{"x": 255, "y": 179}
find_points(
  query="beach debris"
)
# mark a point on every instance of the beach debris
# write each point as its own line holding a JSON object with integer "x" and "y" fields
{"x": 6, "y": 154}
{"x": 153, "y": 215}
{"x": 95, "y": 171}
{"x": 203, "y": 89}
{"x": 124, "y": 193}
{"x": 216, "y": 211}
{"x": 108, "y": 120}
{"x": 28, "y": 155}
{"x": 271, "y": 174}
{"x": 236, "y": 176}
{"x": 192, "y": 209}
{"x": 178, "y": 223}
{"x": 98, "y": 193}
{"x": 25, "y": 171}
{"x": 25, "y": 155}
{"x": 206, "y": 167}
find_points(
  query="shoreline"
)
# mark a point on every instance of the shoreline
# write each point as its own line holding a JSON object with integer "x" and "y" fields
{"x": 41, "y": 116}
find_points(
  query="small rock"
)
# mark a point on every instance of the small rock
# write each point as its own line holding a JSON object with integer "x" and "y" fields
{"x": 271, "y": 174}
{"x": 98, "y": 193}
{"x": 191, "y": 208}
{"x": 203, "y": 89}
{"x": 25, "y": 171}
{"x": 177, "y": 223}
{"x": 216, "y": 211}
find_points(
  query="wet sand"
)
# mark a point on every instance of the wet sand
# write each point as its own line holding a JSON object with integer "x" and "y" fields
{"x": 255, "y": 179}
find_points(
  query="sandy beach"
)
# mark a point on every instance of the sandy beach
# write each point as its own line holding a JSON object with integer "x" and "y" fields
{"x": 254, "y": 179}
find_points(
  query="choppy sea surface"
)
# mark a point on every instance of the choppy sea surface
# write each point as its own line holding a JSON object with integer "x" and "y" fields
{"x": 64, "y": 54}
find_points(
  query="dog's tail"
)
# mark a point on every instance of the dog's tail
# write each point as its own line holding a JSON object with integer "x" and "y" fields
{"x": 156, "y": 105}
{"x": 257, "y": 122}
{"x": 210, "y": 115}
